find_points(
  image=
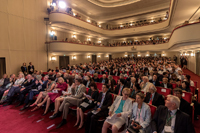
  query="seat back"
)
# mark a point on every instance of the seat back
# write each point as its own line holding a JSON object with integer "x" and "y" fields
{"x": 187, "y": 96}
{"x": 45, "y": 73}
{"x": 99, "y": 76}
{"x": 195, "y": 83}
{"x": 174, "y": 85}
{"x": 116, "y": 78}
{"x": 153, "y": 110}
{"x": 87, "y": 89}
{"x": 192, "y": 88}
{"x": 99, "y": 86}
{"x": 163, "y": 91}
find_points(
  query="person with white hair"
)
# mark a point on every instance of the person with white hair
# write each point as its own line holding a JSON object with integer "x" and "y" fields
{"x": 145, "y": 84}
{"x": 154, "y": 98}
{"x": 169, "y": 119}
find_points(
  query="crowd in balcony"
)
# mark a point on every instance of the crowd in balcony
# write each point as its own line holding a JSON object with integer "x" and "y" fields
{"x": 54, "y": 7}
{"x": 138, "y": 92}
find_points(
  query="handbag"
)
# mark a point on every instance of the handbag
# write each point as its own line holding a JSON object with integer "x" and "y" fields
{"x": 130, "y": 129}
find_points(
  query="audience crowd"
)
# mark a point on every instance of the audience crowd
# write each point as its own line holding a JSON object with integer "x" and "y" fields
{"x": 127, "y": 93}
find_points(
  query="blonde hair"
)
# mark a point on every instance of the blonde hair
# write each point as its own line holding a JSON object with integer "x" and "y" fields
{"x": 61, "y": 79}
{"x": 126, "y": 90}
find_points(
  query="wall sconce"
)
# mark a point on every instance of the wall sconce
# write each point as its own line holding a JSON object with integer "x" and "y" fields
{"x": 88, "y": 21}
{"x": 52, "y": 33}
{"x": 192, "y": 54}
{"x": 88, "y": 56}
{"x": 147, "y": 55}
{"x": 106, "y": 55}
{"x": 88, "y": 39}
{"x": 74, "y": 14}
{"x": 53, "y": 58}
{"x": 138, "y": 55}
{"x": 121, "y": 25}
{"x": 73, "y": 57}
{"x": 163, "y": 54}
{"x": 125, "y": 55}
{"x": 98, "y": 56}
{"x": 131, "y": 24}
{"x": 99, "y": 25}
{"x": 73, "y": 36}
{"x": 152, "y": 20}
{"x": 53, "y": 4}
{"x": 99, "y": 41}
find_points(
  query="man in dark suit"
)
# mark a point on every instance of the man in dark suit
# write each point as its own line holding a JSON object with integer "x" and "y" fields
{"x": 155, "y": 81}
{"x": 30, "y": 68}
{"x": 116, "y": 72}
{"x": 184, "y": 105}
{"x": 37, "y": 88}
{"x": 153, "y": 98}
{"x": 103, "y": 102}
{"x": 103, "y": 79}
{"x": 130, "y": 84}
{"x": 169, "y": 118}
{"x": 120, "y": 87}
{"x": 165, "y": 84}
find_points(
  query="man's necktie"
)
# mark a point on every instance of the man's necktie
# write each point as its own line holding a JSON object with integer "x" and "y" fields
{"x": 150, "y": 102}
{"x": 168, "y": 120}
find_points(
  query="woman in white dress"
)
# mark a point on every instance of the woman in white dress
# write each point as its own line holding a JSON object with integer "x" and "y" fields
{"x": 141, "y": 115}
{"x": 121, "y": 107}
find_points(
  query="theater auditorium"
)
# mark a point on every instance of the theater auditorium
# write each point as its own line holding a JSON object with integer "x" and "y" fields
{"x": 99, "y": 66}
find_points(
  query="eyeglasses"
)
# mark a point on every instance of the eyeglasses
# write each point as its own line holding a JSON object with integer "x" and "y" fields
{"x": 126, "y": 94}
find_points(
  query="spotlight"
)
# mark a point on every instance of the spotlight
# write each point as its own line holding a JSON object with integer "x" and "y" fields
{"x": 62, "y": 4}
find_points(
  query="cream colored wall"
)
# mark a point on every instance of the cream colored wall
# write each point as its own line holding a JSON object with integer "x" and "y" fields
{"x": 192, "y": 63}
{"x": 22, "y": 33}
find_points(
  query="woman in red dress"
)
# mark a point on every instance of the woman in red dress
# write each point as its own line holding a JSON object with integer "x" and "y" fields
{"x": 51, "y": 96}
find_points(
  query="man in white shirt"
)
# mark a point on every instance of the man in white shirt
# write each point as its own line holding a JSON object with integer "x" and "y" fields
{"x": 145, "y": 84}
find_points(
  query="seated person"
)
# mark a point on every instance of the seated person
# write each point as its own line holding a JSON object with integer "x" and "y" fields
{"x": 7, "y": 84}
{"x": 136, "y": 89}
{"x": 141, "y": 115}
{"x": 187, "y": 78}
{"x": 60, "y": 99}
{"x": 4, "y": 80}
{"x": 155, "y": 81}
{"x": 95, "y": 77}
{"x": 122, "y": 106}
{"x": 110, "y": 77}
{"x": 50, "y": 86}
{"x": 185, "y": 86}
{"x": 184, "y": 105}
{"x": 145, "y": 84}
{"x": 36, "y": 89}
{"x": 101, "y": 110}
{"x": 111, "y": 86}
{"x": 74, "y": 99}
{"x": 120, "y": 87}
{"x": 51, "y": 96}
{"x": 131, "y": 83}
{"x": 165, "y": 83}
{"x": 169, "y": 118}
{"x": 153, "y": 98}
{"x": 87, "y": 81}
{"x": 103, "y": 79}
{"x": 91, "y": 101}
{"x": 16, "y": 87}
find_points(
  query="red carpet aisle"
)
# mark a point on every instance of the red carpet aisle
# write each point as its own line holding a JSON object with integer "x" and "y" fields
{"x": 12, "y": 120}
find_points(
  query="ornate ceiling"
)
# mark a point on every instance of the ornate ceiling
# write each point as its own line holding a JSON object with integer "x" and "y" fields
{"x": 112, "y": 3}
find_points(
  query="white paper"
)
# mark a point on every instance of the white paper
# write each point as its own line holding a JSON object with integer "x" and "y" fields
{"x": 168, "y": 129}
{"x": 34, "y": 90}
{"x": 84, "y": 104}
{"x": 113, "y": 116}
{"x": 88, "y": 96}
{"x": 183, "y": 95}
{"x": 163, "y": 90}
{"x": 55, "y": 91}
{"x": 95, "y": 112}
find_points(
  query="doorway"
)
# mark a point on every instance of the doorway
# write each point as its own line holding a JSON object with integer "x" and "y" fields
{"x": 2, "y": 66}
{"x": 63, "y": 61}
{"x": 94, "y": 58}
{"x": 110, "y": 57}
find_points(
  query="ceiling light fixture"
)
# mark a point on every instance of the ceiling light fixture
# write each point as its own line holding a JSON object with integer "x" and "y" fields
{"x": 62, "y": 4}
